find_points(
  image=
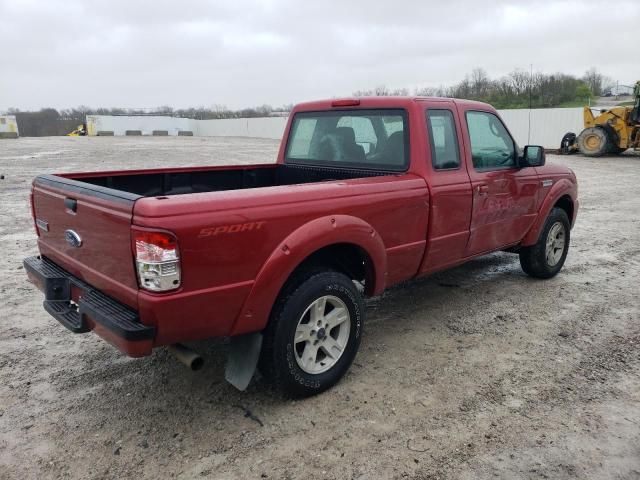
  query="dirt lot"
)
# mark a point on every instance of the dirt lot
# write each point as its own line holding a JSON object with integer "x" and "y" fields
{"x": 479, "y": 372}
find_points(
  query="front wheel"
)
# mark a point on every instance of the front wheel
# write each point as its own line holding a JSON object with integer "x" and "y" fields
{"x": 313, "y": 334}
{"x": 593, "y": 142}
{"x": 547, "y": 256}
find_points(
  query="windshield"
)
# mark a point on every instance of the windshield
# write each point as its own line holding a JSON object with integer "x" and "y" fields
{"x": 372, "y": 139}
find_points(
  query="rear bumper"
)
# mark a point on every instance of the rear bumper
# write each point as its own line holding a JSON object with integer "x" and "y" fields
{"x": 81, "y": 308}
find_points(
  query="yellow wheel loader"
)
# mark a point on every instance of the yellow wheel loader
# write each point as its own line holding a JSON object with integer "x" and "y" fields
{"x": 80, "y": 131}
{"x": 611, "y": 132}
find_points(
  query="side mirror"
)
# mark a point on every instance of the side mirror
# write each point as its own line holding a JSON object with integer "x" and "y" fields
{"x": 533, "y": 156}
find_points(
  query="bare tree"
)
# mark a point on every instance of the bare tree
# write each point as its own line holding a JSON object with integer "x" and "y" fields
{"x": 595, "y": 80}
{"x": 400, "y": 92}
{"x": 479, "y": 83}
{"x": 519, "y": 80}
{"x": 381, "y": 91}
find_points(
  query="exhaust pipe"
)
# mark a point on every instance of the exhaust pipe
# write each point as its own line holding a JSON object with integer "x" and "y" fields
{"x": 186, "y": 356}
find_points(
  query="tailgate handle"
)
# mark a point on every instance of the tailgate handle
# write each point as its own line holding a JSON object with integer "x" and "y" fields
{"x": 71, "y": 204}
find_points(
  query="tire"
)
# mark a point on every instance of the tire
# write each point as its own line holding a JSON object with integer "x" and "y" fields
{"x": 545, "y": 261}
{"x": 567, "y": 144}
{"x": 300, "y": 357}
{"x": 616, "y": 150}
{"x": 593, "y": 142}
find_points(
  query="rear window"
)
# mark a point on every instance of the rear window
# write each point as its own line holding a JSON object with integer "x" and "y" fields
{"x": 370, "y": 139}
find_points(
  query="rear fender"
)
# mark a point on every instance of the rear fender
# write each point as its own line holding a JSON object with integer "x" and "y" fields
{"x": 292, "y": 251}
{"x": 560, "y": 188}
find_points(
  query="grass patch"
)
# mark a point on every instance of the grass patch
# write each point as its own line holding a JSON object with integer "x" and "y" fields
{"x": 572, "y": 104}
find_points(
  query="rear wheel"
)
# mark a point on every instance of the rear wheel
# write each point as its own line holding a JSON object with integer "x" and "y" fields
{"x": 547, "y": 256}
{"x": 616, "y": 150}
{"x": 313, "y": 334}
{"x": 593, "y": 142}
{"x": 568, "y": 143}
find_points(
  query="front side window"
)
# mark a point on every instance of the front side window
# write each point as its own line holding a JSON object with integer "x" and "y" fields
{"x": 491, "y": 145}
{"x": 374, "y": 139}
{"x": 445, "y": 153}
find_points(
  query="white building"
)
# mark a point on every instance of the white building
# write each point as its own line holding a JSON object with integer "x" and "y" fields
{"x": 8, "y": 126}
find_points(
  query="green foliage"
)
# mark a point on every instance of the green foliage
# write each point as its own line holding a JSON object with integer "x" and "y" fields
{"x": 583, "y": 92}
{"x": 518, "y": 89}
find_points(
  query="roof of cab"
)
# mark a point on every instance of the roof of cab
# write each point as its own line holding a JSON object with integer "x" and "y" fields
{"x": 380, "y": 102}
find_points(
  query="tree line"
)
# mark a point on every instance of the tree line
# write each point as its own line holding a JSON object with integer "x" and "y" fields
{"x": 51, "y": 122}
{"x": 518, "y": 89}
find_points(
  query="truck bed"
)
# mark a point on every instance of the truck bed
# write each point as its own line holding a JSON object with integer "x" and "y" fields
{"x": 151, "y": 183}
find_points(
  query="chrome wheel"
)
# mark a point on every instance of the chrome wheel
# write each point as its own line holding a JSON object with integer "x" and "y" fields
{"x": 322, "y": 334}
{"x": 556, "y": 240}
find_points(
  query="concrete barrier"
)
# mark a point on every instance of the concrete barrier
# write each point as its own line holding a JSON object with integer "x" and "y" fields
{"x": 133, "y": 133}
{"x": 266, "y": 127}
{"x": 544, "y": 127}
{"x": 105, "y": 133}
{"x": 146, "y": 124}
{"x": 160, "y": 133}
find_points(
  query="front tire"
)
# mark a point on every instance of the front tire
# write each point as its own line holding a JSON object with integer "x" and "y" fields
{"x": 547, "y": 256}
{"x": 313, "y": 334}
{"x": 593, "y": 142}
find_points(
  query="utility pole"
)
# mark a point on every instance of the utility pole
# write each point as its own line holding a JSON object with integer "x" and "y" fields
{"x": 530, "y": 87}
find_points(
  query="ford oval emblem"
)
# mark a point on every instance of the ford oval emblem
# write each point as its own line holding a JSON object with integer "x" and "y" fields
{"x": 73, "y": 238}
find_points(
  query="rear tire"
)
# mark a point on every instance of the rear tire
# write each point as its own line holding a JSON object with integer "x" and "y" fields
{"x": 547, "y": 256}
{"x": 593, "y": 142}
{"x": 616, "y": 150}
{"x": 313, "y": 334}
{"x": 568, "y": 143}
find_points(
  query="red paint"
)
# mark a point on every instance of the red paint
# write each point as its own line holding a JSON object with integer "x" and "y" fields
{"x": 237, "y": 248}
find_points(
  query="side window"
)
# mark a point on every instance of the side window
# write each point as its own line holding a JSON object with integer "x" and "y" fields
{"x": 445, "y": 153}
{"x": 491, "y": 144}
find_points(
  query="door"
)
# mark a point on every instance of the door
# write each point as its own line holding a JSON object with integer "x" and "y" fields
{"x": 504, "y": 196}
{"x": 449, "y": 185}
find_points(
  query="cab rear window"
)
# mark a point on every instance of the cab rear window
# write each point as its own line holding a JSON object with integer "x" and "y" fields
{"x": 369, "y": 139}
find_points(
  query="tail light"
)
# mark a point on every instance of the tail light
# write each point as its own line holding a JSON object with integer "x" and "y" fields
{"x": 346, "y": 102}
{"x": 157, "y": 260}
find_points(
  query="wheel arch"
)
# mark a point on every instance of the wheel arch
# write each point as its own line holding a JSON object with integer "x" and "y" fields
{"x": 341, "y": 242}
{"x": 562, "y": 195}
{"x": 565, "y": 202}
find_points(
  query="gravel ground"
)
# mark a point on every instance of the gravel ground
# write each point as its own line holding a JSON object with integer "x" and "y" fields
{"x": 478, "y": 372}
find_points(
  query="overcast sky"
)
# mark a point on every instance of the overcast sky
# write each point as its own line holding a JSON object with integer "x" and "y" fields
{"x": 128, "y": 53}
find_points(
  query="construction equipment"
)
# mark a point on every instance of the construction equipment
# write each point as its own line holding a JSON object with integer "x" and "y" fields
{"x": 611, "y": 132}
{"x": 80, "y": 131}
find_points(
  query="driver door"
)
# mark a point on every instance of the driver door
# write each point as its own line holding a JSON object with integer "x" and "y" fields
{"x": 504, "y": 196}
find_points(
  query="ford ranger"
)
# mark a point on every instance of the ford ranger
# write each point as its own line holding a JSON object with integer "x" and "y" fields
{"x": 365, "y": 193}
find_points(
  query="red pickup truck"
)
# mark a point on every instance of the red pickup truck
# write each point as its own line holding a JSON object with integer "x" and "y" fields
{"x": 365, "y": 193}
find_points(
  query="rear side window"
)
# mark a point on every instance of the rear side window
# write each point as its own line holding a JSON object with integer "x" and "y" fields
{"x": 370, "y": 139}
{"x": 445, "y": 153}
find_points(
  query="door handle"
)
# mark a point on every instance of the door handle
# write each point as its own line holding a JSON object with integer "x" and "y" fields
{"x": 483, "y": 189}
{"x": 71, "y": 204}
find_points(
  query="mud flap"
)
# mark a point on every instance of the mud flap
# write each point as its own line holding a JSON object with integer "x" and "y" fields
{"x": 243, "y": 359}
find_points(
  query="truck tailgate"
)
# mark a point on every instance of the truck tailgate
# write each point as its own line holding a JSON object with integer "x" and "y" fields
{"x": 86, "y": 229}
